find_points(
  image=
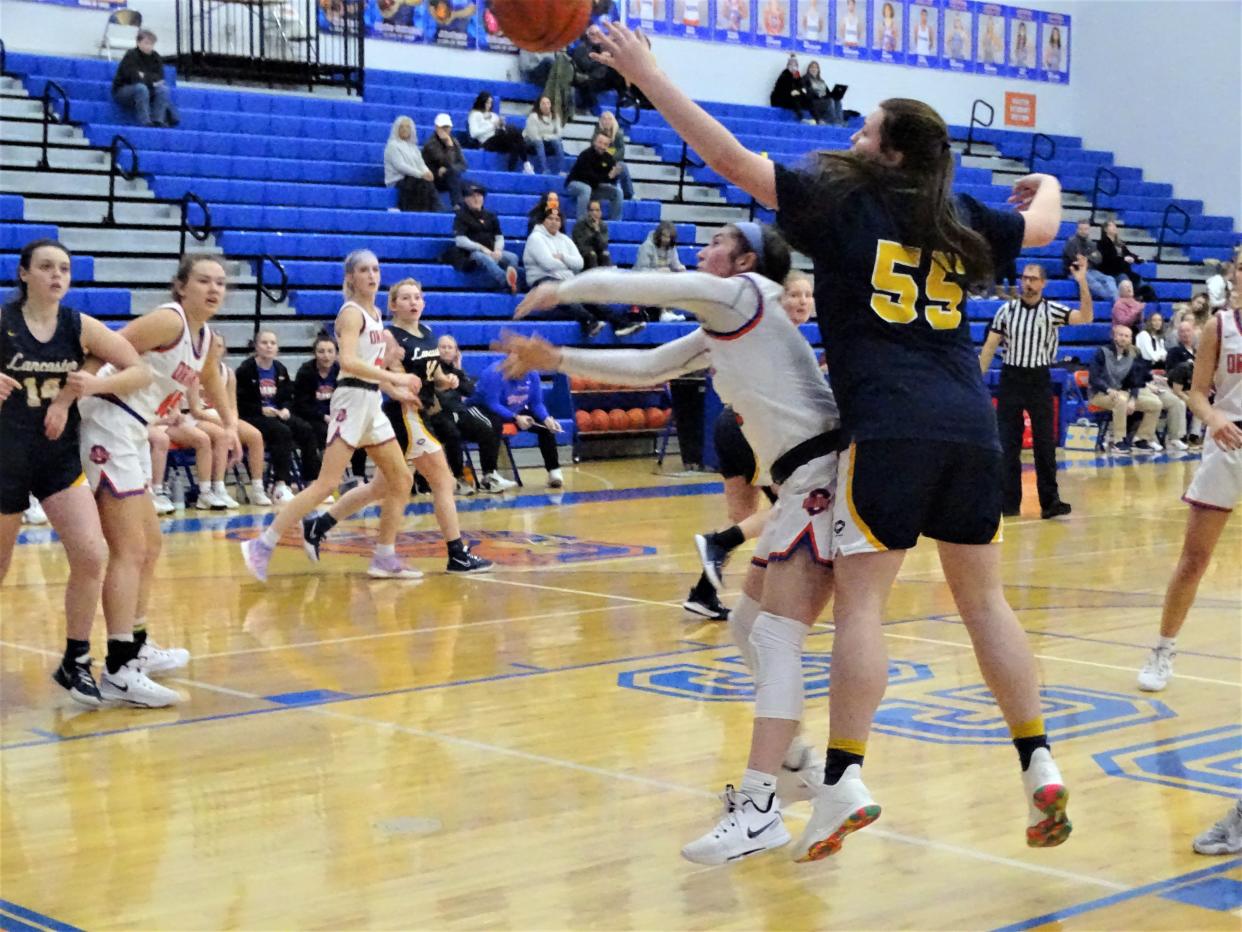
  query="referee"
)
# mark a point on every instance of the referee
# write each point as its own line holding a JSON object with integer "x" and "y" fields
{"x": 1028, "y": 327}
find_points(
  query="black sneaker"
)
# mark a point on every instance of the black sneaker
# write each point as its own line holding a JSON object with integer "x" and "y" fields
{"x": 713, "y": 558}
{"x": 311, "y": 538}
{"x": 594, "y": 329}
{"x": 707, "y": 606}
{"x": 1012, "y": 513}
{"x": 630, "y": 326}
{"x": 468, "y": 562}
{"x": 1057, "y": 509}
{"x": 76, "y": 678}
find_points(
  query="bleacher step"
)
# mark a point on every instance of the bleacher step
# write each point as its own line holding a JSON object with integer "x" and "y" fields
{"x": 29, "y": 131}
{"x": 634, "y": 152}
{"x": 158, "y": 270}
{"x": 992, "y": 163}
{"x": 288, "y": 332}
{"x": 50, "y": 182}
{"x": 13, "y": 156}
{"x": 21, "y": 108}
{"x": 698, "y": 213}
{"x": 68, "y": 211}
{"x": 131, "y": 242}
{"x": 11, "y": 85}
{"x": 237, "y": 303}
{"x": 656, "y": 191}
{"x": 976, "y": 149}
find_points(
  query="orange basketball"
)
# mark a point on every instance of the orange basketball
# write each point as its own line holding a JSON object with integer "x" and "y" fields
{"x": 599, "y": 420}
{"x": 638, "y": 418}
{"x": 657, "y": 417}
{"x": 618, "y": 419}
{"x": 542, "y": 25}
{"x": 575, "y": 383}
{"x": 583, "y": 420}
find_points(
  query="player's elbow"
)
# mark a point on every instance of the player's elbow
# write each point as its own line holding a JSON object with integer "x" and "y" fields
{"x": 1041, "y": 228}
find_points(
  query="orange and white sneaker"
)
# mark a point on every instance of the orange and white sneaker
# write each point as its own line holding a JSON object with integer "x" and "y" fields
{"x": 1047, "y": 824}
{"x": 838, "y": 811}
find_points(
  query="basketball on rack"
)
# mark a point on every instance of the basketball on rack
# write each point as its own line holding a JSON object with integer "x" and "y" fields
{"x": 542, "y": 25}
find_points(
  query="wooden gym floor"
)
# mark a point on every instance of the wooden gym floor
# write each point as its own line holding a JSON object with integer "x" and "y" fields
{"x": 530, "y": 749}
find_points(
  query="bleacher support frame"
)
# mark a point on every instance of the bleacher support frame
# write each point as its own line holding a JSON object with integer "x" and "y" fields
{"x": 976, "y": 121}
{"x": 198, "y": 232}
{"x": 49, "y": 116}
{"x": 1165, "y": 227}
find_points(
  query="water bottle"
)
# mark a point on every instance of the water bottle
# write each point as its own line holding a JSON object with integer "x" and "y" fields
{"x": 178, "y": 492}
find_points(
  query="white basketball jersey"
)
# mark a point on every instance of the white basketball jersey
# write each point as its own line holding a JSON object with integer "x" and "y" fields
{"x": 371, "y": 340}
{"x": 812, "y": 25}
{"x": 176, "y": 367}
{"x": 690, "y": 16}
{"x": 922, "y": 40}
{"x": 1227, "y": 380}
{"x": 851, "y": 30}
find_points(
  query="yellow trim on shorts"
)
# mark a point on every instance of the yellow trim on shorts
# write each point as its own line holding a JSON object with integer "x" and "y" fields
{"x": 849, "y": 501}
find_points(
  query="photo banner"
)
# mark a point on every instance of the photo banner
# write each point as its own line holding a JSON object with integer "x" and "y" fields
{"x": 491, "y": 38}
{"x": 888, "y": 31}
{"x": 692, "y": 19}
{"x": 813, "y": 27}
{"x": 923, "y": 33}
{"x": 991, "y": 40}
{"x": 89, "y": 4}
{"x": 958, "y": 45}
{"x": 651, "y": 16}
{"x": 735, "y": 22}
{"x": 1024, "y": 44}
{"x": 851, "y": 38}
{"x": 1056, "y": 47}
{"x": 774, "y": 27}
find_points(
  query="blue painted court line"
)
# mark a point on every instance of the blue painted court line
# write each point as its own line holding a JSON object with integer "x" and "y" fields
{"x": 1219, "y": 893}
{"x": 309, "y": 697}
{"x": 529, "y": 666}
{"x": 34, "y": 920}
{"x": 1159, "y": 888}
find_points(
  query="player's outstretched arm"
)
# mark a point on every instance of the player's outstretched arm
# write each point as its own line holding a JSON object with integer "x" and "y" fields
{"x": 630, "y": 54}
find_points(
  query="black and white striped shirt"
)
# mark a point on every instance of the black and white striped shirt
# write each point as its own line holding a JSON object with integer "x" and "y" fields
{"x": 1029, "y": 333}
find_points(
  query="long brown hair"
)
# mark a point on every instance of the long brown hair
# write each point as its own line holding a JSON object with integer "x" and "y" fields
{"x": 918, "y": 192}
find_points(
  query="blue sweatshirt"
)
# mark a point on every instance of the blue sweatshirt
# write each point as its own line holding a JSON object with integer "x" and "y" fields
{"x": 506, "y": 397}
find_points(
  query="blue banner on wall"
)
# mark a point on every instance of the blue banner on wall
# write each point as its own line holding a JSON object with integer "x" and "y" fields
{"x": 89, "y": 4}
{"x": 1056, "y": 47}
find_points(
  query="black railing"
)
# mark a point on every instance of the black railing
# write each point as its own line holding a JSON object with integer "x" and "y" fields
{"x": 116, "y": 168}
{"x": 4, "y": 58}
{"x": 976, "y": 121}
{"x": 1036, "y": 154}
{"x": 1165, "y": 227}
{"x": 622, "y": 117}
{"x": 290, "y": 43}
{"x": 49, "y": 115}
{"x": 261, "y": 290}
{"x": 1098, "y": 188}
{"x": 199, "y": 232}
{"x": 682, "y": 164}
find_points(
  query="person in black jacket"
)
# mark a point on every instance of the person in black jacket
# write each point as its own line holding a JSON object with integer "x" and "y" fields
{"x": 443, "y": 155}
{"x": 312, "y": 393}
{"x": 469, "y": 423}
{"x": 478, "y": 242}
{"x": 591, "y": 237}
{"x": 1117, "y": 260}
{"x": 593, "y": 177}
{"x": 788, "y": 92}
{"x": 264, "y": 394}
{"x": 139, "y": 84}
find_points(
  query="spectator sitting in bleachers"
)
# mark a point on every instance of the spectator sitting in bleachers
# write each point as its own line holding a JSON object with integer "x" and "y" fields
{"x": 658, "y": 253}
{"x": 550, "y": 254}
{"x": 139, "y": 84}
{"x": 534, "y": 67}
{"x": 467, "y": 422}
{"x": 609, "y": 126}
{"x": 1102, "y": 287}
{"x": 788, "y": 93}
{"x": 1117, "y": 379}
{"x": 478, "y": 242}
{"x": 591, "y": 237}
{"x": 543, "y": 132}
{"x": 264, "y": 393}
{"x": 1127, "y": 309}
{"x": 1150, "y": 341}
{"x": 1220, "y": 285}
{"x": 405, "y": 168}
{"x": 593, "y": 177}
{"x": 825, "y": 109}
{"x": 444, "y": 157}
{"x": 520, "y": 402}
{"x": 592, "y": 78}
{"x": 1187, "y": 340}
{"x": 1174, "y": 407}
{"x": 312, "y": 396}
{"x": 490, "y": 131}
{"x": 1117, "y": 260}
{"x": 248, "y": 434}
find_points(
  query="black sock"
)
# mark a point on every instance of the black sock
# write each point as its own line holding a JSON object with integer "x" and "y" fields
{"x": 456, "y": 548}
{"x": 703, "y": 590}
{"x": 120, "y": 653}
{"x": 75, "y": 649}
{"x": 1027, "y": 746}
{"x": 140, "y": 635}
{"x": 836, "y": 762}
{"x": 729, "y": 539}
{"x": 323, "y": 524}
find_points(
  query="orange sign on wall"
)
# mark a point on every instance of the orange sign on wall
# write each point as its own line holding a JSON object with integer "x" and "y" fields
{"x": 1019, "y": 109}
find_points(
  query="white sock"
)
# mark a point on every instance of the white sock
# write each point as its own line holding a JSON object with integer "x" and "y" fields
{"x": 257, "y": 484}
{"x": 1164, "y": 643}
{"x": 269, "y": 538}
{"x": 757, "y": 784}
{"x": 797, "y": 753}
{"x": 157, "y": 489}
{"x": 385, "y": 550}
{"x": 218, "y": 487}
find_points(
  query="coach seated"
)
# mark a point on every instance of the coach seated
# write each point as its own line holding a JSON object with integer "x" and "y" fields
{"x": 1117, "y": 383}
{"x": 139, "y": 85}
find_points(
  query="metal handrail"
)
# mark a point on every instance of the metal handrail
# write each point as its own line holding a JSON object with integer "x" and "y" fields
{"x": 1097, "y": 189}
{"x": 975, "y": 121}
{"x": 624, "y": 120}
{"x": 49, "y": 113}
{"x": 682, "y": 164}
{"x": 1035, "y": 153}
{"x": 262, "y": 290}
{"x": 199, "y": 233}
{"x": 1164, "y": 226}
{"x": 116, "y": 168}
{"x": 4, "y": 57}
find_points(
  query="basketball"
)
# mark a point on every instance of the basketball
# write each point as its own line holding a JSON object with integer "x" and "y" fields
{"x": 583, "y": 420}
{"x": 599, "y": 420}
{"x": 576, "y": 383}
{"x": 618, "y": 419}
{"x": 657, "y": 417}
{"x": 638, "y": 418}
{"x": 542, "y": 25}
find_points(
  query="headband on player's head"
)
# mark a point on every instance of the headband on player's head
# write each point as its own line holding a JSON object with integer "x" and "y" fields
{"x": 753, "y": 234}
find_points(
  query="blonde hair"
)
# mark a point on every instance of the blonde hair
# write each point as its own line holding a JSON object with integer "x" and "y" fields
{"x": 397, "y": 286}
{"x": 351, "y": 263}
{"x": 794, "y": 277}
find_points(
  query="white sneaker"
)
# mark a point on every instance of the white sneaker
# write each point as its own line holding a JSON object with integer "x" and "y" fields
{"x": 391, "y": 567}
{"x": 1225, "y": 837}
{"x": 743, "y": 830}
{"x": 839, "y": 810}
{"x": 259, "y": 497}
{"x": 133, "y": 687}
{"x": 463, "y": 488}
{"x": 670, "y": 317}
{"x": 155, "y": 659}
{"x": 1047, "y": 824}
{"x": 34, "y": 514}
{"x": 208, "y": 500}
{"x": 801, "y": 772}
{"x": 498, "y": 483}
{"x": 221, "y": 493}
{"x": 163, "y": 504}
{"x": 1157, "y": 670}
{"x": 282, "y": 493}
{"x": 1178, "y": 444}
{"x": 556, "y": 479}
{"x": 527, "y": 168}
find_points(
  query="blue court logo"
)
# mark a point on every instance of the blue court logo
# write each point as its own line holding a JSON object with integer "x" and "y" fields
{"x": 969, "y": 714}
{"x": 1205, "y": 761}
{"x": 726, "y": 679}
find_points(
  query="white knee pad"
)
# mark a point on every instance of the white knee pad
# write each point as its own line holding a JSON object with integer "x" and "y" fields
{"x": 777, "y": 642}
{"x": 741, "y": 622}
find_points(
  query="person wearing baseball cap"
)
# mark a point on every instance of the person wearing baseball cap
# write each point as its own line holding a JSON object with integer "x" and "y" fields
{"x": 444, "y": 157}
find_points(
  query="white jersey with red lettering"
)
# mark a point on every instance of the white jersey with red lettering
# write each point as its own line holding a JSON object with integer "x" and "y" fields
{"x": 1218, "y": 480}
{"x": 354, "y": 412}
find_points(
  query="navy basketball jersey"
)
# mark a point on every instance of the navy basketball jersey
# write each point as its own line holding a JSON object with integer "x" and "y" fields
{"x": 41, "y": 368}
{"x": 419, "y": 350}
{"x": 892, "y": 317}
